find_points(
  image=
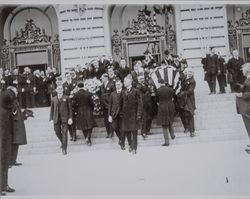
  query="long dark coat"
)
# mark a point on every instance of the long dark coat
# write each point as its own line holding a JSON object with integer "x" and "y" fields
{"x": 84, "y": 108}
{"x": 19, "y": 131}
{"x": 7, "y": 98}
{"x": 212, "y": 63}
{"x": 234, "y": 68}
{"x": 166, "y": 108}
{"x": 186, "y": 95}
{"x": 131, "y": 112}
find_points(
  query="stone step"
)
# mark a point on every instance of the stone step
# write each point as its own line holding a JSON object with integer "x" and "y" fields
{"x": 52, "y": 141}
{"x": 153, "y": 140}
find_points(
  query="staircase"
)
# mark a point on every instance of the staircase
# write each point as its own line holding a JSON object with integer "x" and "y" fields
{"x": 215, "y": 120}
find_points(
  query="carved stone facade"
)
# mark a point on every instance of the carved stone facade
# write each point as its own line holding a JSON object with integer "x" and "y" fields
{"x": 237, "y": 31}
{"x": 30, "y": 35}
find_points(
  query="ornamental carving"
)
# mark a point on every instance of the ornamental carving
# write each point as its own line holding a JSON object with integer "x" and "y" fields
{"x": 4, "y": 54}
{"x": 31, "y": 34}
{"x": 116, "y": 42}
{"x": 143, "y": 25}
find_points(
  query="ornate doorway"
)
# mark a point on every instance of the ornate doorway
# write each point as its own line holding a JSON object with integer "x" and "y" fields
{"x": 32, "y": 47}
{"x": 140, "y": 28}
{"x": 239, "y": 35}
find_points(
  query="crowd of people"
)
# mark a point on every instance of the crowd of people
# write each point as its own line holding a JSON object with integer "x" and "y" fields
{"x": 128, "y": 98}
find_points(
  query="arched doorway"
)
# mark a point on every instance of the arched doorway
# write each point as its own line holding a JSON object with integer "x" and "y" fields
{"x": 136, "y": 28}
{"x": 31, "y": 38}
{"x": 239, "y": 29}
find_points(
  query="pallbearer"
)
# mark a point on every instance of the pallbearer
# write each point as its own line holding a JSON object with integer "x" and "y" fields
{"x": 166, "y": 110}
{"x": 186, "y": 101}
{"x": 84, "y": 108}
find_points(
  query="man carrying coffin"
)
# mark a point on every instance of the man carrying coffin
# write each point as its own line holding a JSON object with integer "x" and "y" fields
{"x": 167, "y": 73}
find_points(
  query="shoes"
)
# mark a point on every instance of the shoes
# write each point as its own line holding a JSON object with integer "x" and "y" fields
{"x": 149, "y": 133}
{"x": 186, "y": 131}
{"x": 71, "y": 139}
{"x": 123, "y": 148}
{"x": 248, "y": 145}
{"x": 144, "y": 135}
{"x": 191, "y": 134}
{"x": 247, "y": 150}
{"x": 107, "y": 136}
{"x": 89, "y": 143}
{"x": 172, "y": 136}
{"x": 10, "y": 190}
{"x": 75, "y": 138}
{"x": 133, "y": 151}
{"x": 17, "y": 164}
{"x": 64, "y": 152}
{"x": 165, "y": 144}
{"x": 130, "y": 149}
{"x": 2, "y": 193}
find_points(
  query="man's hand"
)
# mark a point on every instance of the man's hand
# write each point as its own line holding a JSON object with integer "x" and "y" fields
{"x": 110, "y": 119}
{"x": 70, "y": 121}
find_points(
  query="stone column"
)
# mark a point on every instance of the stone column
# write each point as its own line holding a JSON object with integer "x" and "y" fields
{"x": 107, "y": 34}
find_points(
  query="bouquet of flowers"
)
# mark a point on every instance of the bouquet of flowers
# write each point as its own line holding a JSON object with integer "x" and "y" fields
{"x": 93, "y": 86}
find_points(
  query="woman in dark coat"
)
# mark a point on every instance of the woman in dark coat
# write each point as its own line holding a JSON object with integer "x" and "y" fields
{"x": 243, "y": 100}
{"x": 84, "y": 107}
{"x": 166, "y": 110}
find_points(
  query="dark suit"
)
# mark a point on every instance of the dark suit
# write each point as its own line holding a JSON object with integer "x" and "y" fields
{"x": 106, "y": 90}
{"x": 7, "y": 98}
{"x": 19, "y": 131}
{"x": 29, "y": 85}
{"x": 166, "y": 109}
{"x": 211, "y": 69}
{"x": 18, "y": 79}
{"x": 122, "y": 72}
{"x": 243, "y": 105}
{"x": 131, "y": 113}
{"x": 221, "y": 76}
{"x": 234, "y": 68}
{"x": 60, "y": 112}
{"x": 67, "y": 89}
{"x": 84, "y": 107}
{"x": 114, "y": 111}
{"x": 187, "y": 107}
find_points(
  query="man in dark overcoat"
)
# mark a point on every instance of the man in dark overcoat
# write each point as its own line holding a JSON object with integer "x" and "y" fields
{"x": 29, "y": 88}
{"x": 17, "y": 80}
{"x": 187, "y": 106}
{"x": 166, "y": 110}
{"x": 131, "y": 113}
{"x": 114, "y": 110}
{"x": 19, "y": 131}
{"x": 84, "y": 107}
{"x": 211, "y": 70}
{"x": 68, "y": 87}
{"x": 221, "y": 76}
{"x": 7, "y": 98}
{"x": 234, "y": 67}
{"x": 106, "y": 89}
{"x": 61, "y": 114}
